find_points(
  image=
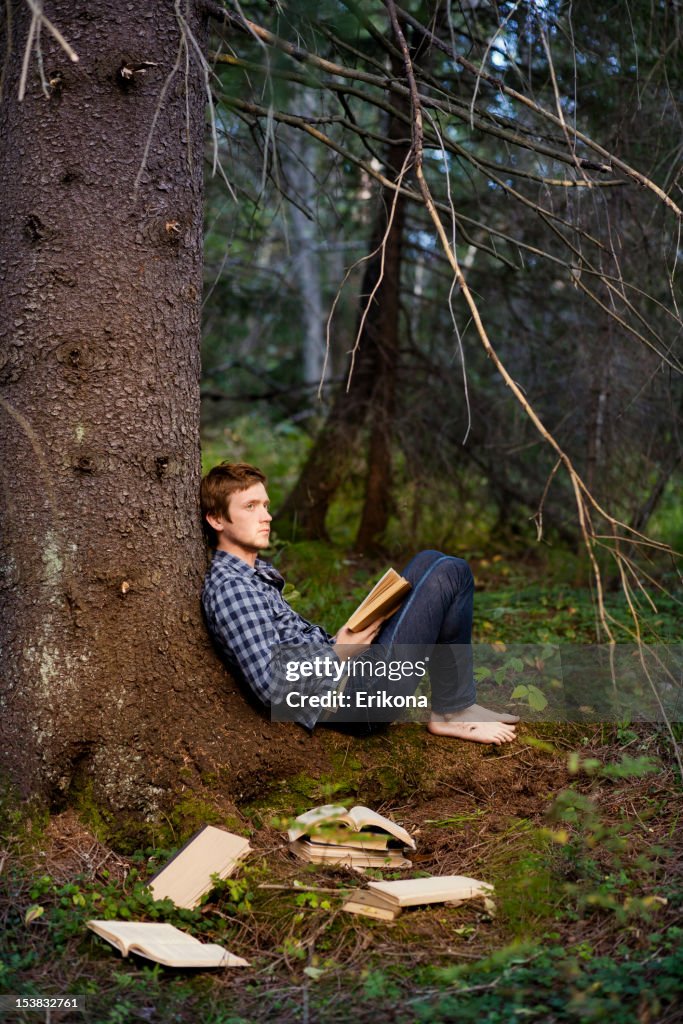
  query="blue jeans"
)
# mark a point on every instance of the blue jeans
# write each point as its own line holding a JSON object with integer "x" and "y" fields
{"x": 436, "y": 617}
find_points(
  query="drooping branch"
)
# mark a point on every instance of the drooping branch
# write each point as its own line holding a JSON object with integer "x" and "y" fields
{"x": 585, "y": 501}
{"x": 519, "y": 97}
{"x": 485, "y": 121}
{"x": 371, "y": 89}
{"x": 580, "y": 263}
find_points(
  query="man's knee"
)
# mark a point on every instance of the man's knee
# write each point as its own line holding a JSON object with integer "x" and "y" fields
{"x": 437, "y": 567}
{"x": 420, "y": 566}
{"x": 461, "y": 570}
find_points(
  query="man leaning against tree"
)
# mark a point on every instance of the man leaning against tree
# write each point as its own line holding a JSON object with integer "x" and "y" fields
{"x": 248, "y": 617}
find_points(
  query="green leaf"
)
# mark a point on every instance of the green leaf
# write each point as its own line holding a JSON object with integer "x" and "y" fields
{"x": 536, "y": 699}
{"x": 33, "y": 913}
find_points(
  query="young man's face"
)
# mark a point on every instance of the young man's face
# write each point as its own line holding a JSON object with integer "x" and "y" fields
{"x": 248, "y": 529}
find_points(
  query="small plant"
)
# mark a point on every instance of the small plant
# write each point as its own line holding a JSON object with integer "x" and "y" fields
{"x": 530, "y": 695}
{"x": 313, "y": 900}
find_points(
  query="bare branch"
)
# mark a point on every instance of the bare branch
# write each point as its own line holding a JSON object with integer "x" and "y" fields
{"x": 585, "y": 501}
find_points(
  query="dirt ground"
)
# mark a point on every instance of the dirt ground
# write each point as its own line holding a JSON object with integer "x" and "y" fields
{"x": 473, "y": 810}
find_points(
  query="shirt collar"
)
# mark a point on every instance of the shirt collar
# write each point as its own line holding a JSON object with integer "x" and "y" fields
{"x": 262, "y": 569}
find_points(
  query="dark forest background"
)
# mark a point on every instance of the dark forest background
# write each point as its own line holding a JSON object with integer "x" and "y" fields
{"x": 416, "y": 439}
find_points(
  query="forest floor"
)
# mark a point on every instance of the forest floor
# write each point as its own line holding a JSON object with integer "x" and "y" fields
{"x": 577, "y": 827}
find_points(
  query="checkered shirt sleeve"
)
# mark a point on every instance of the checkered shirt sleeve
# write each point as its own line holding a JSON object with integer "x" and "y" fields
{"x": 248, "y": 617}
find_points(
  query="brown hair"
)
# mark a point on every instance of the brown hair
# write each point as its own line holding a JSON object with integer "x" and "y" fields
{"x": 218, "y": 486}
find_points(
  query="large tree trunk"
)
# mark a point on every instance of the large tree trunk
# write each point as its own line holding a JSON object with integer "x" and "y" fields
{"x": 108, "y": 673}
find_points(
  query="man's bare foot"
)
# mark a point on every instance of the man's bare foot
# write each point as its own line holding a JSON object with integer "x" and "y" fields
{"x": 477, "y": 732}
{"x": 474, "y": 723}
{"x": 476, "y": 713}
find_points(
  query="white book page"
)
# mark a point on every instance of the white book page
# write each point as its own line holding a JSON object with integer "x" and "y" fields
{"x": 182, "y": 954}
{"x": 363, "y": 816}
{"x": 128, "y": 932}
{"x": 327, "y": 814}
{"x": 166, "y": 944}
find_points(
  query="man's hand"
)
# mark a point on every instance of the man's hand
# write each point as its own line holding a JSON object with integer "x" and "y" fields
{"x": 349, "y": 644}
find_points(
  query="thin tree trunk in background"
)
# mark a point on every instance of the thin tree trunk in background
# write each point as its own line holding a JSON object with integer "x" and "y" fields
{"x": 377, "y": 503}
{"x": 305, "y": 257}
{"x": 596, "y": 430}
{"x": 647, "y": 508}
{"x": 372, "y": 383}
{"x": 305, "y": 510}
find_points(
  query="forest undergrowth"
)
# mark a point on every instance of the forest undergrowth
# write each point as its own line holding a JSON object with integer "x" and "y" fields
{"x": 576, "y": 825}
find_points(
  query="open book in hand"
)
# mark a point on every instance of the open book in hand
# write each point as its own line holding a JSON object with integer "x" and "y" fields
{"x": 381, "y": 602}
{"x": 164, "y": 944}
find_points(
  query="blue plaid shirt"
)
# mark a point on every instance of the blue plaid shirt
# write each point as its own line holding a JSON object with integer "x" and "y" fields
{"x": 247, "y": 616}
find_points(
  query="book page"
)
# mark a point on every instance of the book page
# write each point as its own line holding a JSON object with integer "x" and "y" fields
{"x": 328, "y": 814}
{"x": 320, "y": 854}
{"x": 325, "y": 852}
{"x": 187, "y": 876}
{"x": 312, "y": 823}
{"x": 382, "y": 584}
{"x": 124, "y": 933}
{"x": 413, "y": 891}
{"x": 371, "y": 898}
{"x": 185, "y": 954}
{"x": 383, "y": 599}
{"x": 368, "y": 910}
{"x": 363, "y": 817}
{"x": 332, "y": 836}
{"x": 164, "y": 943}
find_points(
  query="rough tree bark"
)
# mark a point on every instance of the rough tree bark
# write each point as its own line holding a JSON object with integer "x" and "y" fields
{"x": 108, "y": 675}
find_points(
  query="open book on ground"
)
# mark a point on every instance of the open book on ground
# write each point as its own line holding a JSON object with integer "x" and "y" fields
{"x": 357, "y": 838}
{"x": 164, "y": 944}
{"x": 385, "y": 900}
{"x": 187, "y": 876}
{"x": 382, "y": 601}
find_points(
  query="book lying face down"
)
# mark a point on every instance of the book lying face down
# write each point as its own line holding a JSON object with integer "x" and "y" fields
{"x": 164, "y": 944}
{"x": 187, "y": 876}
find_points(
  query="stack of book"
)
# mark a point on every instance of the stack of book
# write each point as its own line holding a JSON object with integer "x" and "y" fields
{"x": 385, "y": 900}
{"x": 357, "y": 838}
